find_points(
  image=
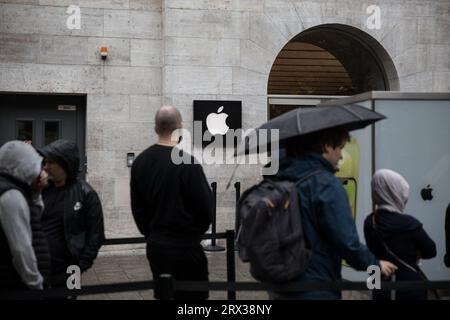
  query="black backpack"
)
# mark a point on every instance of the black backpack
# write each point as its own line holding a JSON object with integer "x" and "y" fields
{"x": 270, "y": 234}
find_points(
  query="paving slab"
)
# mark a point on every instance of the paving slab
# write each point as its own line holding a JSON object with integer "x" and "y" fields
{"x": 133, "y": 268}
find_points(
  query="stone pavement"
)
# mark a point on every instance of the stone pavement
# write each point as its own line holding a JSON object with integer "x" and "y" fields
{"x": 130, "y": 268}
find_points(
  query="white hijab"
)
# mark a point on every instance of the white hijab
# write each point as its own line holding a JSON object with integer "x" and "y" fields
{"x": 390, "y": 190}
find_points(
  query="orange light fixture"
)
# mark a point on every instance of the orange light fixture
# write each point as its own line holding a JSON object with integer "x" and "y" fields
{"x": 104, "y": 52}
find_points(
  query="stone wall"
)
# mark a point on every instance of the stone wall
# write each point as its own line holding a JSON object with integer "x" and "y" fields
{"x": 176, "y": 51}
{"x": 39, "y": 53}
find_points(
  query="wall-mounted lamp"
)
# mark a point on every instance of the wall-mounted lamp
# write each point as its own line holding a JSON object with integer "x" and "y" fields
{"x": 104, "y": 52}
{"x": 130, "y": 159}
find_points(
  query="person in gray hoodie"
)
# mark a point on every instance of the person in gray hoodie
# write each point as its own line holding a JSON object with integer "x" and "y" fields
{"x": 24, "y": 255}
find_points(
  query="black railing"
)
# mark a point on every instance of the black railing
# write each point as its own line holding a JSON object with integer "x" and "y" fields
{"x": 120, "y": 241}
{"x": 229, "y": 235}
{"x": 167, "y": 286}
{"x": 237, "y": 217}
{"x": 213, "y": 247}
{"x": 134, "y": 286}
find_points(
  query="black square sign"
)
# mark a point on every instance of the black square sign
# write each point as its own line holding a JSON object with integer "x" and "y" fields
{"x": 218, "y": 117}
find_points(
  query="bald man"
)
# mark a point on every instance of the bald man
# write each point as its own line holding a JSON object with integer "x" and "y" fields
{"x": 172, "y": 206}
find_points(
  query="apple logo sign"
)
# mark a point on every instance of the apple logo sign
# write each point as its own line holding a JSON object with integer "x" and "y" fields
{"x": 216, "y": 122}
{"x": 426, "y": 193}
{"x": 216, "y": 118}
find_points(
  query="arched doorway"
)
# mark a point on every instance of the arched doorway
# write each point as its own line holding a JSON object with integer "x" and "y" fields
{"x": 326, "y": 62}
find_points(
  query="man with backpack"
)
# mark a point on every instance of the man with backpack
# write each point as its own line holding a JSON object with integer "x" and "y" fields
{"x": 24, "y": 253}
{"x": 325, "y": 233}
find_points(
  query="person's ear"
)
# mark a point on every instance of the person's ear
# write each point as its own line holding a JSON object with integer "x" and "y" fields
{"x": 326, "y": 148}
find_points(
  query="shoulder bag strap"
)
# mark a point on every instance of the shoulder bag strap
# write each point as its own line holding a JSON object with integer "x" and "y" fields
{"x": 386, "y": 247}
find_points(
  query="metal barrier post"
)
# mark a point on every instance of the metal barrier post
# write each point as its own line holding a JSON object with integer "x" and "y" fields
{"x": 231, "y": 263}
{"x": 164, "y": 287}
{"x": 213, "y": 246}
{"x": 237, "y": 217}
{"x": 393, "y": 292}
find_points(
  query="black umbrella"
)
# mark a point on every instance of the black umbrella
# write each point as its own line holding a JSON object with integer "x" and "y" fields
{"x": 303, "y": 121}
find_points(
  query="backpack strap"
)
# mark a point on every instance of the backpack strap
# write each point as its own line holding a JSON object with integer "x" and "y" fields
{"x": 308, "y": 175}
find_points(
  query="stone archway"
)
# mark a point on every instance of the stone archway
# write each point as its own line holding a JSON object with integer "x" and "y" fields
{"x": 332, "y": 59}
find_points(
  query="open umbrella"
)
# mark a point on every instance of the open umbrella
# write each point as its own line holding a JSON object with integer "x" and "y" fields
{"x": 303, "y": 121}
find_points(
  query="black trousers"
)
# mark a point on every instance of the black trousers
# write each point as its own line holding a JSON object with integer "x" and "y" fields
{"x": 186, "y": 263}
{"x": 60, "y": 281}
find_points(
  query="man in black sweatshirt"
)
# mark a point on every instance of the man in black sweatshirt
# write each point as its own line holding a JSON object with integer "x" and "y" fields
{"x": 172, "y": 206}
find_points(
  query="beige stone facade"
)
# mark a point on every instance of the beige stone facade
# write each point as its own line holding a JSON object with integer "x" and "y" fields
{"x": 177, "y": 51}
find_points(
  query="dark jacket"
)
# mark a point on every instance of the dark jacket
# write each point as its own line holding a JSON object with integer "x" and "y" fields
{"x": 328, "y": 225}
{"x": 447, "y": 237}
{"x": 8, "y": 275}
{"x": 24, "y": 253}
{"x": 171, "y": 204}
{"x": 83, "y": 214}
{"x": 406, "y": 238}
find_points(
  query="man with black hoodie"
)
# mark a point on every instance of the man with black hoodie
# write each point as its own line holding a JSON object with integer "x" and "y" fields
{"x": 73, "y": 216}
{"x": 172, "y": 206}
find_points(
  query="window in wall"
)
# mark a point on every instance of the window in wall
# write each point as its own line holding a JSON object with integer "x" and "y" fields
{"x": 24, "y": 130}
{"x": 51, "y": 131}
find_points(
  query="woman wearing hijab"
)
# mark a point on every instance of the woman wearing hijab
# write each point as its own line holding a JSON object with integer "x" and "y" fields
{"x": 396, "y": 236}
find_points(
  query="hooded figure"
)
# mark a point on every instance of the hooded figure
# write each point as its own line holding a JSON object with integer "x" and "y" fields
{"x": 24, "y": 255}
{"x": 66, "y": 154}
{"x": 73, "y": 216}
{"x": 390, "y": 190}
{"x": 403, "y": 234}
